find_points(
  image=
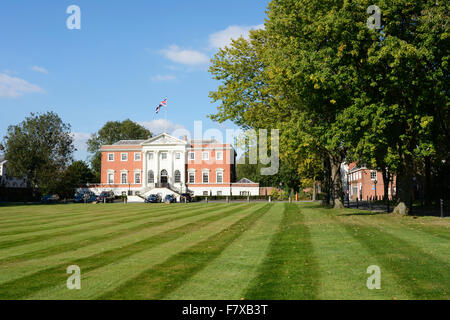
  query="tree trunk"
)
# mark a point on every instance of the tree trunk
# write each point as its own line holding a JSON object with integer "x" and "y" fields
{"x": 327, "y": 179}
{"x": 314, "y": 195}
{"x": 427, "y": 188}
{"x": 405, "y": 186}
{"x": 338, "y": 194}
{"x": 386, "y": 180}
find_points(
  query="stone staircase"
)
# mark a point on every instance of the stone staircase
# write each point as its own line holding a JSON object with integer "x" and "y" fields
{"x": 162, "y": 192}
{"x": 135, "y": 199}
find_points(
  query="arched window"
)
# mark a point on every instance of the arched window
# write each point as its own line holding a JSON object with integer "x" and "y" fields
{"x": 151, "y": 177}
{"x": 177, "y": 176}
{"x": 164, "y": 173}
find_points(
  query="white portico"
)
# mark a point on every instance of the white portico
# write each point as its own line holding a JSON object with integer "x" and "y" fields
{"x": 164, "y": 163}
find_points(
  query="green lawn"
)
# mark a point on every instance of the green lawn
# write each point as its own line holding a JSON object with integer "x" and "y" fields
{"x": 220, "y": 251}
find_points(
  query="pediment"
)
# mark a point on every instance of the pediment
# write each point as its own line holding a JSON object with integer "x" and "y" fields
{"x": 164, "y": 139}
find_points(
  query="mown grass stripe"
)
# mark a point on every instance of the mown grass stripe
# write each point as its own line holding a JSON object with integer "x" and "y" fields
{"x": 290, "y": 269}
{"x": 14, "y": 270}
{"x": 431, "y": 241}
{"x": 421, "y": 275}
{"x": 90, "y": 211}
{"x": 92, "y": 237}
{"x": 101, "y": 280}
{"x": 160, "y": 280}
{"x": 74, "y": 229}
{"x": 52, "y": 276}
{"x": 76, "y": 210}
{"x": 342, "y": 262}
{"x": 66, "y": 221}
{"x": 237, "y": 265}
{"x": 427, "y": 225}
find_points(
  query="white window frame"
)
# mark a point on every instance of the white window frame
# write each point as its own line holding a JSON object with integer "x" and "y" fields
{"x": 107, "y": 177}
{"x": 151, "y": 156}
{"x": 139, "y": 156}
{"x": 151, "y": 181}
{"x": 136, "y": 173}
{"x": 193, "y": 156}
{"x": 126, "y": 157}
{"x": 164, "y": 154}
{"x": 177, "y": 155}
{"x": 373, "y": 173}
{"x": 217, "y": 175}
{"x": 175, "y": 176}
{"x": 191, "y": 174}
{"x": 219, "y": 193}
{"x": 111, "y": 154}
{"x": 203, "y": 155}
{"x": 203, "y": 177}
{"x": 126, "y": 177}
{"x": 217, "y": 155}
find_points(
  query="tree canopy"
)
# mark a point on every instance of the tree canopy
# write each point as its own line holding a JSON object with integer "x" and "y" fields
{"x": 39, "y": 148}
{"x": 339, "y": 91}
{"x": 110, "y": 133}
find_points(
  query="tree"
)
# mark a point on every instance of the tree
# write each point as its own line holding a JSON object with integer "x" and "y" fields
{"x": 286, "y": 175}
{"x": 340, "y": 91}
{"x": 78, "y": 174}
{"x": 110, "y": 133}
{"x": 39, "y": 149}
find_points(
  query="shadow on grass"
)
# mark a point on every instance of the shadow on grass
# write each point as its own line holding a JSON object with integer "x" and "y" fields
{"x": 363, "y": 213}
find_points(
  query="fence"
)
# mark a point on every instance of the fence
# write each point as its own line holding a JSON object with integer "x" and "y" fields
{"x": 441, "y": 209}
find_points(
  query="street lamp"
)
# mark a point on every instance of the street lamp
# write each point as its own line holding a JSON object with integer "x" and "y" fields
{"x": 375, "y": 182}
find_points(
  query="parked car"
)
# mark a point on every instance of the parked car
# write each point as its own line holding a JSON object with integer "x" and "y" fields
{"x": 153, "y": 198}
{"x": 106, "y": 196}
{"x": 87, "y": 197}
{"x": 50, "y": 198}
{"x": 187, "y": 197}
{"x": 170, "y": 198}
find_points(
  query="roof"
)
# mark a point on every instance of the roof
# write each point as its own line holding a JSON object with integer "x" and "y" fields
{"x": 128, "y": 142}
{"x": 246, "y": 181}
{"x": 204, "y": 141}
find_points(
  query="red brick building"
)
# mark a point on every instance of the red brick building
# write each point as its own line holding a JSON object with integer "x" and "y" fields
{"x": 364, "y": 183}
{"x": 164, "y": 162}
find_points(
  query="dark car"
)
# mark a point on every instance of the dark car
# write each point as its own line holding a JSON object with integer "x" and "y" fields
{"x": 87, "y": 197}
{"x": 106, "y": 196}
{"x": 153, "y": 198}
{"x": 50, "y": 198}
{"x": 170, "y": 198}
{"x": 186, "y": 197}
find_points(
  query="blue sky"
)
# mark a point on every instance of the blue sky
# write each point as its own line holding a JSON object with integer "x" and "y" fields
{"x": 126, "y": 57}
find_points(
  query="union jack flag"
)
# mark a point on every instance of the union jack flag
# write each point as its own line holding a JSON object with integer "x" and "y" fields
{"x": 162, "y": 104}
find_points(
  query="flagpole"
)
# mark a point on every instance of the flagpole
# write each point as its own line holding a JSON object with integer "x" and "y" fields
{"x": 165, "y": 124}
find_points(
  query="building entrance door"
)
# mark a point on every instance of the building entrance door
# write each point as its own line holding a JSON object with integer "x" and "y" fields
{"x": 164, "y": 178}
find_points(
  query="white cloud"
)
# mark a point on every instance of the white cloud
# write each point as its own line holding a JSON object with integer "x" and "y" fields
{"x": 13, "y": 87}
{"x": 161, "y": 125}
{"x": 39, "y": 69}
{"x": 80, "y": 139}
{"x": 223, "y": 38}
{"x": 162, "y": 78}
{"x": 185, "y": 56}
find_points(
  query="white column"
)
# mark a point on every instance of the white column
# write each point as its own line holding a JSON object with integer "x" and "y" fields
{"x": 144, "y": 168}
{"x": 183, "y": 168}
{"x": 171, "y": 174}
{"x": 157, "y": 173}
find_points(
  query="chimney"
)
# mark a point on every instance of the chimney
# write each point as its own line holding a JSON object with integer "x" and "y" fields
{"x": 184, "y": 138}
